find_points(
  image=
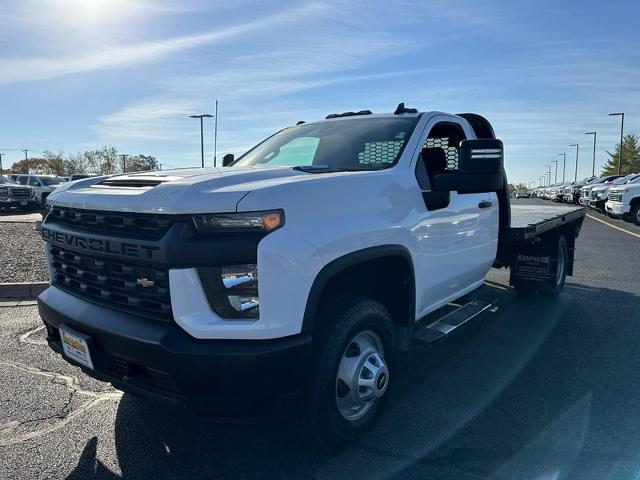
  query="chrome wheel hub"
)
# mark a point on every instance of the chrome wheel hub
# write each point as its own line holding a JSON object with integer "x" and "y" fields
{"x": 362, "y": 377}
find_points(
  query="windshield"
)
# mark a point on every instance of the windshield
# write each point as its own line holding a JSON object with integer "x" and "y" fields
{"x": 358, "y": 144}
{"x": 4, "y": 179}
{"x": 635, "y": 180}
{"x": 622, "y": 180}
{"x": 51, "y": 180}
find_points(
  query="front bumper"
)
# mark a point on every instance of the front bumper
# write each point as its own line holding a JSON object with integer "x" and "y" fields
{"x": 18, "y": 202}
{"x": 617, "y": 208}
{"x": 597, "y": 204}
{"x": 229, "y": 379}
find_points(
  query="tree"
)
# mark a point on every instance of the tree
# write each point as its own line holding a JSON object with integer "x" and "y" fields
{"x": 517, "y": 186}
{"x": 55, "y": 163}
{"x": 33, "y": 165}
{"x": 630, "y": 157}
{"x": 103, "y": 161}
{"x": 138, "y": 163}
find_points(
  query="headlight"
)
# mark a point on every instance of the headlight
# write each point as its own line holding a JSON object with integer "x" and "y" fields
{"x": 4, "y": 191}
{"x": 258, "y": 222}
{"x": 232, "y": 290}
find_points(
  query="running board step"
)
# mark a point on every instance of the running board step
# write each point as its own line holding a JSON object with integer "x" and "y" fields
{"x": 439, "y": 329}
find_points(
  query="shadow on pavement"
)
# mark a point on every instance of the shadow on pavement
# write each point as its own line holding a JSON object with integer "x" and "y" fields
{"x": 541, "y": 388}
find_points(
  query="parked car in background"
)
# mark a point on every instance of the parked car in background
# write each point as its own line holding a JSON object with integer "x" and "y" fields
{"x": 14, "y": 195}
{"x": 624, "y": 201}
{"x": 522, "y": 194}
{"x": 600, "y": 193}
{"x": 585, "y": 191}
{"x": 571, "y": 193}
{"x": 42, "y": 184}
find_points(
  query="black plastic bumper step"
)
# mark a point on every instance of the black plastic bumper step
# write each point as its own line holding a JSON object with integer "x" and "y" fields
{"x": 439, "y": 329}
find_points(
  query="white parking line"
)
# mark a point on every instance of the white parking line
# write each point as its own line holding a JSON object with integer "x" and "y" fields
{"x": 613, "y": 226}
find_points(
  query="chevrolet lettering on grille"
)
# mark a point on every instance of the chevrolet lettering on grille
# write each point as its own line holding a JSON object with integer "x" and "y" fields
{"x": 99, "y": 245}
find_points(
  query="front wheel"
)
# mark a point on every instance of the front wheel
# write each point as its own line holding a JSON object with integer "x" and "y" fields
{"x": 351, "y": 372}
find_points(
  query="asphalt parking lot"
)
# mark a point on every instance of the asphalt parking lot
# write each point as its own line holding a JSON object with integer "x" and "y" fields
{"x": 537, "y": 389}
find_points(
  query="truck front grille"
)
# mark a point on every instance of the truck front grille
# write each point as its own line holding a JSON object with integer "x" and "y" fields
{"x": 124, "y": 285}
{"x": 133, "y": 225}
{"x": 21, "y": 192}
{"x": 615, "y": 197}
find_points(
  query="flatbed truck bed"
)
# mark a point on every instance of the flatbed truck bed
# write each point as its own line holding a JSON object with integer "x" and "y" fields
{"x": 529, "y": 221}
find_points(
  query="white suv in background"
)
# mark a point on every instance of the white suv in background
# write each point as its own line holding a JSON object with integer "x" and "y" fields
{"x": 624, "y": 201}
{"x": 42, "y": 184}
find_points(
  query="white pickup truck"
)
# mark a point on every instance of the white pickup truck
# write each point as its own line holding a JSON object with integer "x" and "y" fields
{"x": 624, "y": 201}
{"x": 287, "y": 280}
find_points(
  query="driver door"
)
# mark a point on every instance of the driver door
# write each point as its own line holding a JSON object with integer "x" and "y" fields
{"x": 456, "y": 237}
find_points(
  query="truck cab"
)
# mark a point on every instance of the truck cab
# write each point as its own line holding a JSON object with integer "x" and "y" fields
{"x": 291, "y": 276}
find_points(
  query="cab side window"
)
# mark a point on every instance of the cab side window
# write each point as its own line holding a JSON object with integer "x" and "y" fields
{"x": 440, "y": 149}
{"x": 23, "y": 180}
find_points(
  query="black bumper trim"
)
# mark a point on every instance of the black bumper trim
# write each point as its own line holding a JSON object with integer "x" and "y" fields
{"x": 229, "y": 379}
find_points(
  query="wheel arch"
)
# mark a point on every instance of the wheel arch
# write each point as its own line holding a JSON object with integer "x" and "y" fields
{"x": 361, "y": 262}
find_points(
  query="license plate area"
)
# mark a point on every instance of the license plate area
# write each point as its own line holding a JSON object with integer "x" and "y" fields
{"x": 75, "y": 346}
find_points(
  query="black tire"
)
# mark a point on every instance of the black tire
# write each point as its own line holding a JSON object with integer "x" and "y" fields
{"x": 549, "y": 289}
{"x": 319, "y": 420}
{"x": 554, "y": 289}
{"x": 635, "y": 213}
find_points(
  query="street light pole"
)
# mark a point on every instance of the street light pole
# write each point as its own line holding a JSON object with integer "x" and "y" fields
{"x": 575, "y": 177}
{"x": 215, "y": 135}
{"x": 564, "y": 164}
{"x": 549, "y": 172}
{"x": 593, "y": 167}
{"x": 26, "y": 158}
{"x": 556, "y": 178}
{"x": 204, "y": 115}
{"x": 621, "y": 114}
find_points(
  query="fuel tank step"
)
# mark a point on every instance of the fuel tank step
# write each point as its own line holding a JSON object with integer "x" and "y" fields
{"x": 439, "y": 329}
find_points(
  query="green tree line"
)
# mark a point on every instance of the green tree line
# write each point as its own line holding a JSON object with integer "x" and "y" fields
{"x": 103, "y": 161}
{"x": 630, "y": 157}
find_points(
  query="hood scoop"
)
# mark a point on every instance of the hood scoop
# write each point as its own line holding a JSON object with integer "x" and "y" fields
{"x": 134, "y": 182}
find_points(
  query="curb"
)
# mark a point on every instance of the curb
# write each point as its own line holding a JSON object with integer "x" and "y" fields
{"x": 23, "y": 290}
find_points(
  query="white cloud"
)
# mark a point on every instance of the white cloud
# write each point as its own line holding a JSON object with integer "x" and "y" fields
{"x": 39, "y": 68}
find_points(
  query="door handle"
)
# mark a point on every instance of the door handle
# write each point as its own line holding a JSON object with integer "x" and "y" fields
{"x": 485, "y": 204}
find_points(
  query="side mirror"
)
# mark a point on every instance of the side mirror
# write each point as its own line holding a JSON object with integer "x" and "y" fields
{"x": 227, "y": 159}
{"x": 480, "y": 168}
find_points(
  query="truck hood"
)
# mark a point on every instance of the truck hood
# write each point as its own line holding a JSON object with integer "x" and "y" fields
{"x": 625, "y": 188}
{"x": 180, "y": 191}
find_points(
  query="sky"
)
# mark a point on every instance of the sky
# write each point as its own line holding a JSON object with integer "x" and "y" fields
{"x": 80, "y": 74}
